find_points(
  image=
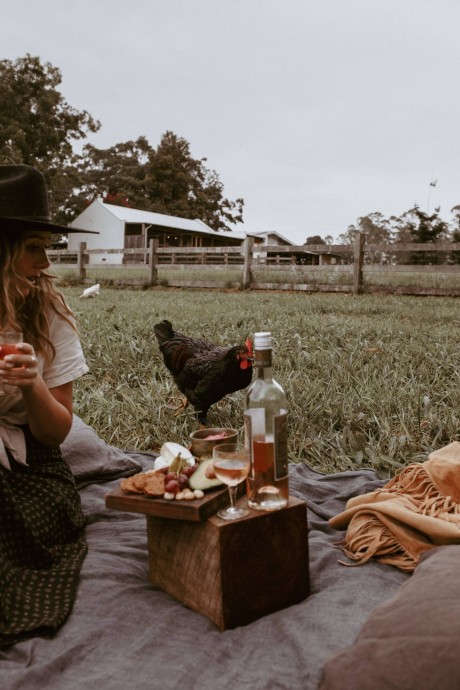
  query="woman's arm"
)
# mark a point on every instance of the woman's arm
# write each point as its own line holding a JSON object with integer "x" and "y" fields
{"x": 48, "y": 410}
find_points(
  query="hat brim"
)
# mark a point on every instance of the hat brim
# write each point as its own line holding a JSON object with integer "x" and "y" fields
{"x": 26, "y": 224}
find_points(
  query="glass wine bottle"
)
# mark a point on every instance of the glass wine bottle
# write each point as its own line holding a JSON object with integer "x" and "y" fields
{"x": 265, "y": 425}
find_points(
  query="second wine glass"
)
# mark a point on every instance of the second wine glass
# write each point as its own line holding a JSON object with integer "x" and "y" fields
{"x": 231, "y": 465}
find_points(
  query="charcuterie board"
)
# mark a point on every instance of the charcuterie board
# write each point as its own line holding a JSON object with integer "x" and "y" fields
{"x": 196, "y": 510}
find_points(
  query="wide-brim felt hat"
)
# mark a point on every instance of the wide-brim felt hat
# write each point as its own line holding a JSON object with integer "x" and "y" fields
{"x": 24, "y": 201}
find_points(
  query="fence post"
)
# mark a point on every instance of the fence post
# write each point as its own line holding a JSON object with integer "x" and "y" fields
{"x": 247, "y": 252}
{"x": 81, "y": 261}
{"x": 153, "y": 246}
{"x": 358, "y": 263}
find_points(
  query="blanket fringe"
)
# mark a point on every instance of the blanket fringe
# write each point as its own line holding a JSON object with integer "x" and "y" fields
{"x": 412, "y": 513}
{"x": 367, "y": 537}
{"x": 414, "y": 481}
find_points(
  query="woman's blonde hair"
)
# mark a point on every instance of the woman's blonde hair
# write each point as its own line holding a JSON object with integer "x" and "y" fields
{"x": 27, "y": 314}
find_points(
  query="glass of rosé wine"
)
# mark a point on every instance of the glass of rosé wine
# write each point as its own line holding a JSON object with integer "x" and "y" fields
{"x": 8, "y": 342}
{"x": 231, "y": 465}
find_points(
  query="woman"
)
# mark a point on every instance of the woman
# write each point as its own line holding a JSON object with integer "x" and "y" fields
{"x": 42, "y": 543}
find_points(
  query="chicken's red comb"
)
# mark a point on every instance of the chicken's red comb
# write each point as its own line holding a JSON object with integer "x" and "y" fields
{"x": 248, "y": 343}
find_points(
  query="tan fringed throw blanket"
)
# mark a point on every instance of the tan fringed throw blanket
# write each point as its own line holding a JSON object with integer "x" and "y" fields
{"x": 418, "y": 509}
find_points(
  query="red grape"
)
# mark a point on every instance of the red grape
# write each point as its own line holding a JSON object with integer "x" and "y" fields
{"x": 183, "y": 481}
{"x": 188, "y": 471}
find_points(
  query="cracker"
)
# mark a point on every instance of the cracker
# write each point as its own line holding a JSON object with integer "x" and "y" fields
{"x": 155, "y": 485}
{"x": 140, "y": 479}
{"x": 127, "y": 484}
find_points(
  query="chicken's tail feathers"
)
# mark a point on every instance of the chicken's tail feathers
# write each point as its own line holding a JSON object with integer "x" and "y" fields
{"x": 163, "y": 331}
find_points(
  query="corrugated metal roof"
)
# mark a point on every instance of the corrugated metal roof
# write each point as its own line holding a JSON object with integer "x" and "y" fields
{"x": 265, "y": 233}
{"x": 133, "y": 215}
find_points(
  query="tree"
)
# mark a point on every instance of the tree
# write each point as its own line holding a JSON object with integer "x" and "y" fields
{"x": 348, "y": 237}
{"x": 425, "y": 228}
{"x": 37, "y": 126}
{"x": 378, "y": 231}
{"x": 116, "y": 174}
{"x": 166, "y": 180}
{"x": 314, "y": 239}
{"x": 455, "y": 235}
{"x": 428, "y": 228}
{"x": 401, "y": 228}
{"x": 182, "y": 186}
{"x": 455, "y": 255}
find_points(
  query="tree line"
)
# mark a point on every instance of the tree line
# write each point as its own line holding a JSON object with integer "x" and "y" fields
{"x": 39, "y": 128}
{"x": 412, "y": 226}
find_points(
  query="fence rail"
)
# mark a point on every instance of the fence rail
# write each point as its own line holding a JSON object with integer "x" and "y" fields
{"x": 253, "y": 263}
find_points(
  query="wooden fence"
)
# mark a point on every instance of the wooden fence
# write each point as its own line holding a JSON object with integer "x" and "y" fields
{"x": 353, "y": 271}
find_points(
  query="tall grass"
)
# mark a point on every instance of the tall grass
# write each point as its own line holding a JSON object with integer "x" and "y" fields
{"x": 371, "y": 380}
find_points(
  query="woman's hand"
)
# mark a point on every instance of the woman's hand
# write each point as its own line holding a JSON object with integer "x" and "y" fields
{"x": 20, "y": 369}
{"x": 48, "y": 410}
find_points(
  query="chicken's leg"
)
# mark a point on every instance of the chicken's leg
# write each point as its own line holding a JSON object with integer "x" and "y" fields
{"x": 182, "y": 406}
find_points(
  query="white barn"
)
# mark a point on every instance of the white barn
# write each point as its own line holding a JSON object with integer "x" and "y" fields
{"x": 128, "y": 228}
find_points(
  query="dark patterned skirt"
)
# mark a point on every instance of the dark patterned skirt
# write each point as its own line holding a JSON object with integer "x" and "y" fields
{"x": 42, "y": 544}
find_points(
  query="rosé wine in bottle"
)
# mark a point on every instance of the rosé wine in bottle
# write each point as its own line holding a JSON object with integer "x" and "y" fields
{"x": 265, "y": 425}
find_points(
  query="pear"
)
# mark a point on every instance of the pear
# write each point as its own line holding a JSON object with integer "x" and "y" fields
{"x": 199, "y": 480}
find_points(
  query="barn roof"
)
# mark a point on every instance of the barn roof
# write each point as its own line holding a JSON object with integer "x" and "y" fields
{"x": 133, "y": 215}
{"x": 267, "y": 233}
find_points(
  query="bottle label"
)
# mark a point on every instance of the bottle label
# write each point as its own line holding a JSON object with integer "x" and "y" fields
{"x": 262, "y": 358}
{"x": 269, "y": 454}
{"x": 281, "y": 451}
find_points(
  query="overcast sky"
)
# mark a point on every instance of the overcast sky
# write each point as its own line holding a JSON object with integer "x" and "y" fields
{"x": 315, "y": 112}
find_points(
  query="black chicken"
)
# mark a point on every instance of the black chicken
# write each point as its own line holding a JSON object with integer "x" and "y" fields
{"x": 203, "y": 372}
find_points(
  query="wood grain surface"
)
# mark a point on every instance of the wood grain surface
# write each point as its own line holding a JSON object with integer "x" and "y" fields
{"x": 196, "y": 510}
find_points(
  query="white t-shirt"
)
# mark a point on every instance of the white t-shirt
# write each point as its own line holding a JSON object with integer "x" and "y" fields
{"x": 68, "y": 364}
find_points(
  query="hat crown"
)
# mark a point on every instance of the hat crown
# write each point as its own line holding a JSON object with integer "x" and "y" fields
{"x": 23, "y": 193}
{"x": 24, "y": 202}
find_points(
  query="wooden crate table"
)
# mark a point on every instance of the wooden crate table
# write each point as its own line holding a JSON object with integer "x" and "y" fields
{"x": 232, "y": 571}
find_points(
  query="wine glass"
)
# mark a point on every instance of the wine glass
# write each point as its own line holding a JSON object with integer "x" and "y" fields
{"x": 8, "y": 341}
{"x": 231, "y": 465}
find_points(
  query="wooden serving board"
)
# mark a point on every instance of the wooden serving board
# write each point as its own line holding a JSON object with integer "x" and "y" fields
{"x": 196, "y": 510}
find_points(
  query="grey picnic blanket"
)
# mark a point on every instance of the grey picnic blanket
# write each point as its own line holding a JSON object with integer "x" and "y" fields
{"x": 122, "y": 633}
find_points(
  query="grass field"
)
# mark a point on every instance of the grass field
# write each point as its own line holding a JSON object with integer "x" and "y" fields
{"x": 372, "y": 381}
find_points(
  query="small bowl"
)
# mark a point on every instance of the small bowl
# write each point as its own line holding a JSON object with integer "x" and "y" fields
{"x": 202, "y": 445}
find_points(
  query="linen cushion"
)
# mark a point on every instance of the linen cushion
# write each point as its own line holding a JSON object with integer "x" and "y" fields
{"x": 92, "y": 459}
{"x": 412, "y": 640}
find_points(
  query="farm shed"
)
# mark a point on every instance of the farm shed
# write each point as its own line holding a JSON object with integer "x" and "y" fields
{"x": 129, "y": 228}
{"x": 303, "y": 256}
